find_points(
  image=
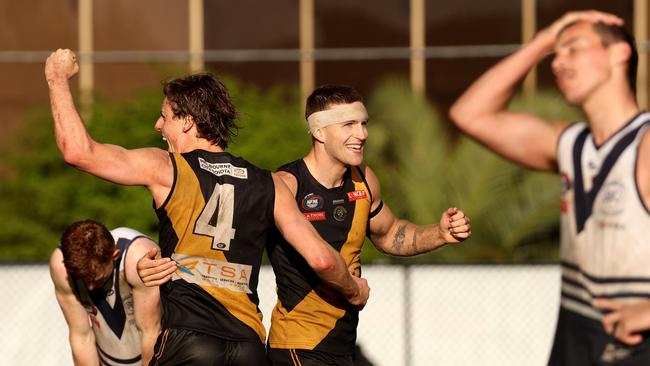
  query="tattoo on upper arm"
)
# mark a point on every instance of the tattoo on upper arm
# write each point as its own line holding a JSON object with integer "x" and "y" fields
{"x": 398, "y": 240}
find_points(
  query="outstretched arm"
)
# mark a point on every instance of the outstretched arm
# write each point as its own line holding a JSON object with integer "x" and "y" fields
{"x": 321, "y": 257}
{"x": 395, "y": 236}
{"x": 81, "y": 336}
{"x": 110, "y": 162}
{"x": 481, "y": 111}
{"x": 146, "y": 300}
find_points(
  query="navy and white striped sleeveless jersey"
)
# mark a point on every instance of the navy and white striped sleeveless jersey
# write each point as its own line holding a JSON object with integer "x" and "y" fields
{"x": 111, "y": 310}
{"x": 605, "y": 248}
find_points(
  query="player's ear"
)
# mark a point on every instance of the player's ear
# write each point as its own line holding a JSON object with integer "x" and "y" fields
{"x": 620, "y": 53}
{"x": 188, "y": 122}
{"x": 319, "y": 135}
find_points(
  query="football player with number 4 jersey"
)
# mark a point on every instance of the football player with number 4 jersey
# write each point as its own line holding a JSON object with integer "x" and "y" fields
{"x": 215, "y": 211}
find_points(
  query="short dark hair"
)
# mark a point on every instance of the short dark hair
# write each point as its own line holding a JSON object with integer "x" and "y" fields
{"x": 610, "y": 34}
{"x": 326, "y": 95}
{"x": 206, "y": 99}
{"x": 87, "y": 246}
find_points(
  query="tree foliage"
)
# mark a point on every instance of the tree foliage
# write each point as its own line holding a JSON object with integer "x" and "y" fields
{"x": 40, "y": 194}
{"x": 423, "y": 164}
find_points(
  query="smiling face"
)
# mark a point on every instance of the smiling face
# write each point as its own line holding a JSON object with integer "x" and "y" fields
{"x": 582, "y": 62}
{"x": 344, "y": 141}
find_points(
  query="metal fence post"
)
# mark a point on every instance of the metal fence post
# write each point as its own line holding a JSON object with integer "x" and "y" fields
{"x": 307, "y": 66}
{"x": 528, "y": 27}
{"x": 86, "y": 65}
{"x": 418, "y": 45}
{"x": 408, "y": 326}
{"x": 641, "y": 36}
{"x": 196, "y": 36}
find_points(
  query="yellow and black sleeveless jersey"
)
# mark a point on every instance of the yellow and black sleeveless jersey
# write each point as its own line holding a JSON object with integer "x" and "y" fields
{"x": 214, "y": 224}
{"x": 306, "y": 316}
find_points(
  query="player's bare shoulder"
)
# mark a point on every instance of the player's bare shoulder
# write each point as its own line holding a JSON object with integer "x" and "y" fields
{"x": 58, "y": 273}
{"x": 289, "y": 179}
{"x": 643, "y": 167}
{"x": 138, "y": 249}
{"x": 373, "y": 182}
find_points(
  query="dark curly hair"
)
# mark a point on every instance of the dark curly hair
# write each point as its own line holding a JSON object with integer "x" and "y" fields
{"x": 206, "y": 99}
{"x": 326, "y": 95}
{"x": 87, "y": 247}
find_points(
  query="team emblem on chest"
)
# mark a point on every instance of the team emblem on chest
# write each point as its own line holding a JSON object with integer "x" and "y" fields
{"x": 339, "y": 213}
{"x": 611, "y": 198}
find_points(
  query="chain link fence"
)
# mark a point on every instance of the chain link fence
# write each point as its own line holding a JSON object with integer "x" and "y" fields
{"x": 416, "y": 316}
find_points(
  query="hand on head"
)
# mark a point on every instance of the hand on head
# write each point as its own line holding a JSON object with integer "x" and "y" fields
{"x": 591, "y": 16}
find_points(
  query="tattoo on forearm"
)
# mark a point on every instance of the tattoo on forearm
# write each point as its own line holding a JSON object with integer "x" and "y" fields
{"x": 398, "y": 240}
{"x": 416, "y": 233}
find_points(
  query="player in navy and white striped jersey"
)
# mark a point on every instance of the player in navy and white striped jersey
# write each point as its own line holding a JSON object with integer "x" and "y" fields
{"x": 604, "y": 164}
{"x": 113, "y": 318}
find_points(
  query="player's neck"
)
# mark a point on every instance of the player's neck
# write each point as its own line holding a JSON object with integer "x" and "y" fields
{"x": 197, "y": 143}
{"x": 327, "y": 171}
{"x": 609, "y": 112}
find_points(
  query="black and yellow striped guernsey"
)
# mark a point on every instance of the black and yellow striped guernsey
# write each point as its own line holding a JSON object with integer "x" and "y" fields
{"x": 214, "y": 224}
{"x": 305, "y": 317}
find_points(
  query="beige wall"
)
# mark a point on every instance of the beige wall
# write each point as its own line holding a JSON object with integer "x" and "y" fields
{"x": 43, "y": 25}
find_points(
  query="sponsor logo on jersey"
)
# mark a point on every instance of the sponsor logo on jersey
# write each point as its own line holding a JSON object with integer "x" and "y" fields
{"x": 604, "y": 224}
{"x": 207, "y": 272}
{"x": 315, "y": 216}
{"x": 356, "y": 195}
{"x": 90, "y": 308}
{"x": 338, "y": 202}
{"x": 614, "y": 352}
{"x": 564, "y": 206}
{"x": 566, "y": 182}
{"x": 220, "y": 169}
{"x": 566, "y": 187}
{"x": 340, "y": 213}
{"x": 312, "y": 202}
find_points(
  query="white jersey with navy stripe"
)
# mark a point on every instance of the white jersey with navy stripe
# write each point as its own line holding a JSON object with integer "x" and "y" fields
{"x": 605, "y": 248}
{"x": 111, "y": 310}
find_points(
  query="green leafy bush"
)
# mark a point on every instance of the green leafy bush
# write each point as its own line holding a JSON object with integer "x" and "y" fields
{"x": 423, "y": 164}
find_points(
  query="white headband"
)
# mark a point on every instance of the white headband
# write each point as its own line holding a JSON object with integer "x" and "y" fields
{"x": 336, "y": 114}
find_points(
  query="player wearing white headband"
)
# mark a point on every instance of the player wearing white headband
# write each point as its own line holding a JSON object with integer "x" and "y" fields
{"x": 342, "y": 199}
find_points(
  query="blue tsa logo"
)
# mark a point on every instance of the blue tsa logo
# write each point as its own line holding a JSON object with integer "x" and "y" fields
{"x": 312, "y": 202}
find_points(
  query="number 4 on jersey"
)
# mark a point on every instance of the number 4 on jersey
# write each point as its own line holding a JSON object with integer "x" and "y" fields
{"x": 216, "y": 218}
